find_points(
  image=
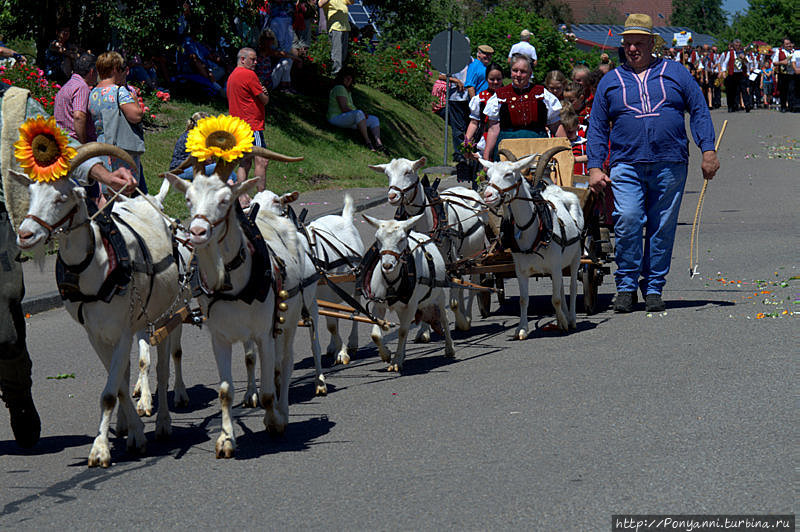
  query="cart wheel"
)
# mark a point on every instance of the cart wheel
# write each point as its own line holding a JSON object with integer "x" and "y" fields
{"x": 591, "y": 282}
{"x": 501, "y": 294}
{"x": 485, "y": 298}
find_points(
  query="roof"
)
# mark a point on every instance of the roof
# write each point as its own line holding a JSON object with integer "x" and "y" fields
{"x": 361, "y": 15}
{"x": 597, "y": 34}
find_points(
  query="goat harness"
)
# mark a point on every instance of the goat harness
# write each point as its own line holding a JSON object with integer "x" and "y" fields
{"x": 121, "y": 267}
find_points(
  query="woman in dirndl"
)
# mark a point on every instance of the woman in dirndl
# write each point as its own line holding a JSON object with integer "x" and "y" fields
{"x": 520, "y": 110}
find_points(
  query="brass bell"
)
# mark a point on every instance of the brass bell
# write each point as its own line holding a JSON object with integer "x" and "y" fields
{"x": 282, "y": 306}
{"x": 281, "y": 319}
{"x": 283, "y": 294}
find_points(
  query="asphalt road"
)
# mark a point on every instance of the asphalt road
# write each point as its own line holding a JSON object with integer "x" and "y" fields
{"x": 689, "y": 411}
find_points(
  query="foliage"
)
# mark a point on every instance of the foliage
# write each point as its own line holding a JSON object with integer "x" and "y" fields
{"x": 500, "y": 29}
{"x": 555, "y": 11}
{"x": 400, "y": 70}
{"x": 420, "y": 20}
{"x": 703, "y": 16}
{"x": 31, "y": 78}
{"x": 766, "y": 20}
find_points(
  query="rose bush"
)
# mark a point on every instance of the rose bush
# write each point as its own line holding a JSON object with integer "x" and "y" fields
{"x": 32, "y": 78}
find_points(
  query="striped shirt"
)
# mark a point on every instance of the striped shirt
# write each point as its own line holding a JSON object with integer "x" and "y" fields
{"x": 73, "y": 96}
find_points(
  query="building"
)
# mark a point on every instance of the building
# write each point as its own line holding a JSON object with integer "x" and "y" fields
{"x": 616, "y": 10}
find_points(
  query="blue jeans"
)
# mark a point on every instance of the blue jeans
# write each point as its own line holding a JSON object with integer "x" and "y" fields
{"x": 646, "y": 196}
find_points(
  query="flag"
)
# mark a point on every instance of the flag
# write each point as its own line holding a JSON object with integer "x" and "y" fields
{"x": 609, "y": 32}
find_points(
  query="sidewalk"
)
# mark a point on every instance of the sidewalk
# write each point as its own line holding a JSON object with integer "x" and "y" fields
{"x": 41, "y": 293}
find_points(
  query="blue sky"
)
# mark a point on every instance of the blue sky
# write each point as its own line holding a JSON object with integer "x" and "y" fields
{"x": 732, "y": 6}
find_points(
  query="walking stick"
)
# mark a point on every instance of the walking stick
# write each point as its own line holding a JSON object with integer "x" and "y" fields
{"x": 699, "y": 211}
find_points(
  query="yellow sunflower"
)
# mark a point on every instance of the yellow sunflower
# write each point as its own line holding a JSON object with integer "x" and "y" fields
{"x": 43, "y": 149}
{"x": 223, "y": 136}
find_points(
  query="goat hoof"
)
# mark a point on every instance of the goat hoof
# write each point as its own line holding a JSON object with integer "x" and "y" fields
{"x": 450, "y": 353}
{"x": 100, "y": 454}
{"x": 137, "y": 391}
{"x": 394, "y": 368}
{"x": 352, "y": 349}
{"x": 423, "y": 338}
{"x": 385, "y": 357}
{"x": 250, "y": 400}
{"x": 225, "y": 448}
{"x": 163, "y": 431}
{"x": 342, "y": 358}
{"x": 522, "y": 334}
{"x": 181, "y": 401}
{"x": 136, "y": 442}
{"x": 463, "y": 325}
{"x": 322, "y": 389}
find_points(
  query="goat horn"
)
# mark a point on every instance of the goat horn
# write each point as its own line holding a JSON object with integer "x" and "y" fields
{"x": 97, "y": 149}
{"x": 541, "y": 165}
{"x": 507, "y": 154}
{"x": 275, "y": 156}
{"x": 186, "y": 163}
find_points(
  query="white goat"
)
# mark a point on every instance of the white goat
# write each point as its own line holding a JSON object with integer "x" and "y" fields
{"x": 338, "y": 248}
{"x": 466, "y": 219}
{"x": 388, "y": 284}
{"x": 58, "y": 209}
{"x": 225, "y": 259}
{"x": 531, "y": 254}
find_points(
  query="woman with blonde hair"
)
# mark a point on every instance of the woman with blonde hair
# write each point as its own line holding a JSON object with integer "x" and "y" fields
{"x": 116, "y": 112}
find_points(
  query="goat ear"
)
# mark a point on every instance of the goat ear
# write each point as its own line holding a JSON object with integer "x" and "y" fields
{"x": 22, "y": 179}
{"x": 374, "y": 222}
{"x": 244, "y": 188}
{"x": 486, "y": 164}
{"x": 419, "y": 163}
{"x": 179, "y": 184}
{"x": 79, "y": 193}
{"x": 289, "y": 197}
{"x": 525, "y": 162}
{"x": 380, "y": 168}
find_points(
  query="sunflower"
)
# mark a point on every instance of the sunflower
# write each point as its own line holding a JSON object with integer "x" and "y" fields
{"x": 43, "y": 149}
{"x": 223, "y": 136}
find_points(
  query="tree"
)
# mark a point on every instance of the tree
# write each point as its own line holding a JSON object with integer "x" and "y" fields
{"x": 703, "y": 16}
{"x": 766, "y": 20}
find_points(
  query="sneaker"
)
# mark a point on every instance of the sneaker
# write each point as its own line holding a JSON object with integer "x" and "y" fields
{"x": 654, "y": 303}
{"x": 25, "y": 422}
{"x": 625, "y": 302}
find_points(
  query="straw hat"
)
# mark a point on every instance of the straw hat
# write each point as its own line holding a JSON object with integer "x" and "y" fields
{"x": 485, "y": 48}
{"x": 638, "y": 23}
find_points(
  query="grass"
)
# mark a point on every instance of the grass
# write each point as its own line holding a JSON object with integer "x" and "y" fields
{"x": 296, "y": 125}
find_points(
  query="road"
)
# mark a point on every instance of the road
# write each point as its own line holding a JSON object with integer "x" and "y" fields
{"x": 689, "y": 411}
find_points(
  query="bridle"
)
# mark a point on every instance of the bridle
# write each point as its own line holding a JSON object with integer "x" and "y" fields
{"x": 213, "y": 225}
{"x": 404, "y": 191}
{"x": 504, "y": 191}
{"x": 52, "y": 228}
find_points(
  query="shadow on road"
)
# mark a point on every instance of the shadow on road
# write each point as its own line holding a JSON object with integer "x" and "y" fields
{"x": 46, "y": 445}
{"x": 300, "y": 436}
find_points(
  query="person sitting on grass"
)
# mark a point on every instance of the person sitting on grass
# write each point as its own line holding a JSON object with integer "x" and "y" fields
{"x": 343, "y": 113}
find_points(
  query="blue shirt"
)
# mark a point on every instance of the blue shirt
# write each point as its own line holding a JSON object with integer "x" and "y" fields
{"x": 644, "y": 118}
{"x": 476, "y": 76}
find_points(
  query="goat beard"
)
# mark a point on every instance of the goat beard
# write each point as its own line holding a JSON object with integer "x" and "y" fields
{"x": 212, "y": 267}
{"x": 39, "y": 252}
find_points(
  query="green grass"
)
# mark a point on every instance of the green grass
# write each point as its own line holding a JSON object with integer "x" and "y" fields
{"x": 296, "y": 125}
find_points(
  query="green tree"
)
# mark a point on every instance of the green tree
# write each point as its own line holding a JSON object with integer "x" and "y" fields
{"x": 766, "y": 20}
{"x": 703, "y": 16}
{"x": 420, "y": 20}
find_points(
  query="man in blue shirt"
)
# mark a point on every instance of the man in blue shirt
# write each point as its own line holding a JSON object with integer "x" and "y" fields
{"x": 639, "y": 108}
{"x": 476, "y": 73}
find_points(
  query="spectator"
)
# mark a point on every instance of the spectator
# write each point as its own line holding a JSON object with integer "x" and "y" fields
{"x": 197, "y": 65}
{"x": 767, "y": 82}
{"x": 555, "y": 81}
{"x": 280, "y": 22}
{"x": 458, "y": 113}
{"x": 112, "y": 101}
{"x": 247, "y": 99}
{"x": 6, "y": 52}
{"x": 575, "y": 94}
{"x": 71, "y": 108}
{"x": 476, "y": 72}
{"x": 477, "y": 129}
{"x": 606, "y": 64}
{"x": 583, "y": 76}
{"x": 343, "y": 113}
{"x": 646, "y": 140}
{"x": 716, "y": 95}
{"x": 520, "y": 110}
{"x": 274, "y": 67}
{"x": 439, "y": 95}
{"x": 179, "y": 153}
{"x": 524, "y": 47}
{"x": 338, "y": 21}
{"x": 59, "y": 56}
{"x": 305, "y": 12}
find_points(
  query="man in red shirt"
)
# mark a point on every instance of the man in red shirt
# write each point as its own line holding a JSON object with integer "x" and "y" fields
{"x": 247, "y": 99}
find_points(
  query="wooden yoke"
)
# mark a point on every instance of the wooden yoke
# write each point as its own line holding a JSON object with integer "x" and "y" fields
{"x": 565, "y": 161}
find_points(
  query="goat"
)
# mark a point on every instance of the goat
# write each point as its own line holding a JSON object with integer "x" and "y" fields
{"x": 533, "y": 249}
{"x": 391, "y": 284}
{"x": 463, "y": 211}
{"x": 58, "y": 209}
{"x": 337, "y": 247}
{"x": 240, "y": 301}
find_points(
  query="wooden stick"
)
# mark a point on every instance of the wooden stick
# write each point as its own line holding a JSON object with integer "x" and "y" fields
{"x": 160, "y": 334}
{"x": 341, "y": 278}
{"x": 699, "y": 210}
{"x": 383, "y": 324}
{"x": 335, "y": 306}
{"x": 473, "y": 286}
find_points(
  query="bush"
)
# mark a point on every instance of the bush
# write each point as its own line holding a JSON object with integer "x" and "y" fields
{"x": 400, "y": 70}
{"x": 32, "y": 78}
